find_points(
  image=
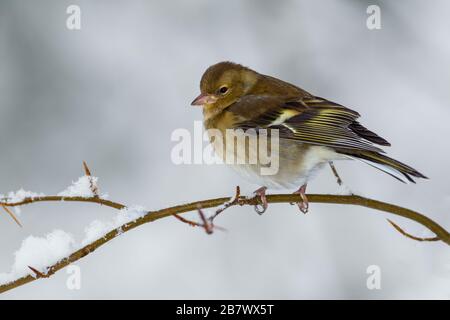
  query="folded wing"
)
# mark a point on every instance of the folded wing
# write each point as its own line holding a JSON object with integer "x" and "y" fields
{"x": 310, "y": 120}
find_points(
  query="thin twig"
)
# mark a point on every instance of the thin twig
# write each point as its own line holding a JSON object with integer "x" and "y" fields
{"x": 12, "y": 215}
{"x": 206, "y": 224}
{"x": 408, "y": 235}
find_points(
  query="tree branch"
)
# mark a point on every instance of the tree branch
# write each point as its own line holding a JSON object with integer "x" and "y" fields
{"x": 441, "y": 234}
{"x": 100, "y": 201}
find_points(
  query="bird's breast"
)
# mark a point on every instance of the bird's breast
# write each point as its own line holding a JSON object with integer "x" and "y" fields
{"x": 275, "y": 162}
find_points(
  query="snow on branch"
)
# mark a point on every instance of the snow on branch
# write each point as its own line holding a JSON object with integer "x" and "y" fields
{"x": 41, "y": 257}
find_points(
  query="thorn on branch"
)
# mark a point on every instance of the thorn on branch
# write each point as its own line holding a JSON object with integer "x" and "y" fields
{"x": 92, "y": 185}
{"x": 39, "y": 274}
{"x": 336, "y": 174}
{"x": 12, "y": 215}
{"x": 403, "y": 232}
{"x": 206, "y": 224}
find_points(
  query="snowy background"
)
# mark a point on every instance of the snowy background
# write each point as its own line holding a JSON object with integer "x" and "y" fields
{"x": 113, "y": 92}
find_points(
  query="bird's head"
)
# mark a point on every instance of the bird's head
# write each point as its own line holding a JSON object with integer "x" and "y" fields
{"x": 223, "y": 84}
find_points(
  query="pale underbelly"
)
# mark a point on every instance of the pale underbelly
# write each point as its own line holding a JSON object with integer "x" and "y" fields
{"x": 296, "y": 165}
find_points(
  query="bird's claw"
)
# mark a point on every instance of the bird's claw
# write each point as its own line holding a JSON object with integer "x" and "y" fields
{"x": 262, "y": 207}
{"x": 304, "y": 204}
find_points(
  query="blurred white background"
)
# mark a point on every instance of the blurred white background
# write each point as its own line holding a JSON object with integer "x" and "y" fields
{"x": 113, "y": 92}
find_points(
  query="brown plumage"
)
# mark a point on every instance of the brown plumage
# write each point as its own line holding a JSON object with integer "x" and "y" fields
{"x": 312, "y": 130}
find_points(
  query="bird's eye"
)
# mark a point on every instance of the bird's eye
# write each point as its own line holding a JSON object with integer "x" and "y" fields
{"x": 223, "y": 90}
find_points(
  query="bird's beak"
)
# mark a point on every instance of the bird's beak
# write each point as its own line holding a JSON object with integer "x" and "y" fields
{"x": 203, "y": 99}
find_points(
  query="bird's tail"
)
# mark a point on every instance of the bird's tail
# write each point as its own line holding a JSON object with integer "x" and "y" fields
{"x": 388, "y": 165}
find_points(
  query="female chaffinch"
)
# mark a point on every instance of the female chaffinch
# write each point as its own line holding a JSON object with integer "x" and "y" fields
{"x": 312, "y": 131}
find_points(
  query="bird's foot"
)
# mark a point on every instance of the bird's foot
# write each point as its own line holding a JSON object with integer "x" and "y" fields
{"x": 304, "y": 204}
{"x": 261, "y": 193}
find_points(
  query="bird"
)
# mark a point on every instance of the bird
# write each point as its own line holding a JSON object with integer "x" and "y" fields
{"x": 312, "y": 131}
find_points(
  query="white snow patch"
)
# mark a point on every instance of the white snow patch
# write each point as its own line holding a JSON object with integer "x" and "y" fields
{"x": 39, "y": 253}
{"x": 20, "y": 195}
{"x": 42, "y": 252}
{"x": 81, "y": 188}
